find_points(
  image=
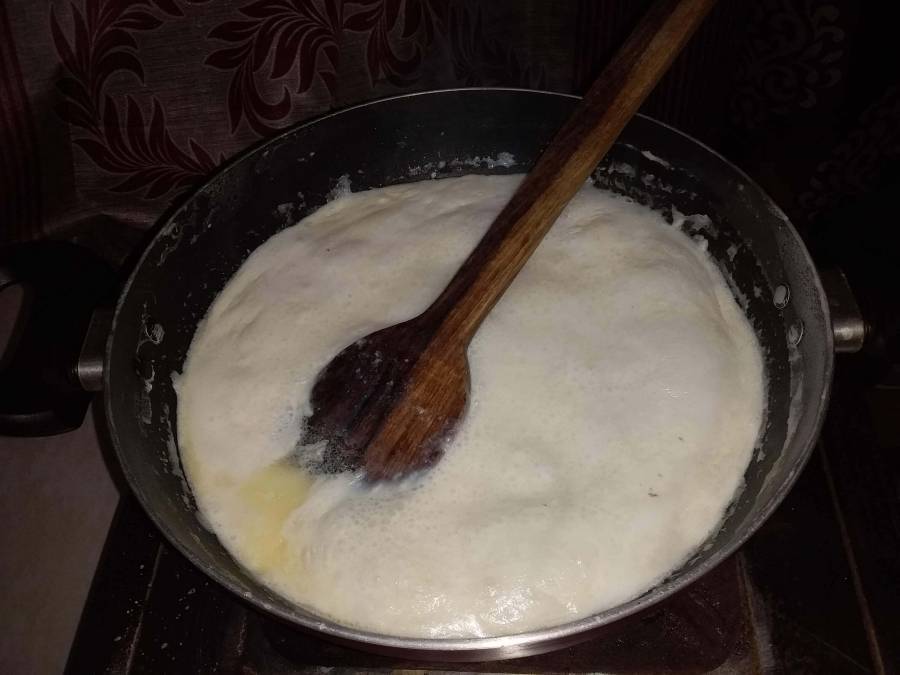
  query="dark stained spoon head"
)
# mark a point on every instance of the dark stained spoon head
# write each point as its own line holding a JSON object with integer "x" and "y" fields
{"x": 386, "y": 405}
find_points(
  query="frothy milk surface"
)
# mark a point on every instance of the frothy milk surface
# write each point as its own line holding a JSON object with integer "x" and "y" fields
{"x": 617, "y": 393}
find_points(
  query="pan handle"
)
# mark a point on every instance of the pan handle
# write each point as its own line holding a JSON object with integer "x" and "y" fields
{"x": 42, "y": 386}
{"x": 847, "y": 322}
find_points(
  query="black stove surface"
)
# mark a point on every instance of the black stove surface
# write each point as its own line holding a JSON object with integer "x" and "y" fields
{"x": 813, "y": 591}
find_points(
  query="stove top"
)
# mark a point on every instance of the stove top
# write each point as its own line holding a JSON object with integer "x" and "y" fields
{"x": 798, "y": 597}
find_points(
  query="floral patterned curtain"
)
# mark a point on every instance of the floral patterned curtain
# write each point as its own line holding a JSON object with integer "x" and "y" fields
{"x": 112, "y": 109}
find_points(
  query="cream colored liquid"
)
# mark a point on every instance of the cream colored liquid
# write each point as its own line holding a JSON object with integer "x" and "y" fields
{"x": 617, "y": 392}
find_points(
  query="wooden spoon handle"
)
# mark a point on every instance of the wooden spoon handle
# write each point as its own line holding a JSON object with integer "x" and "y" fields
{"x": 563, "y": 168}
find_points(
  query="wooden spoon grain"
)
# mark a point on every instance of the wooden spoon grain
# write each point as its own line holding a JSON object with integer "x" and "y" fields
{"x": 388, "y": 402}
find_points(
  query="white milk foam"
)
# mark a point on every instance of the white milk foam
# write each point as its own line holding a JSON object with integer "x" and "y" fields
{"x": 617, "y": 392}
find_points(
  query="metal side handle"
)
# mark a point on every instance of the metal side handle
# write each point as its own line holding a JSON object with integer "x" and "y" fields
{"x": 847, "y": 321}
{"x": 89, "y": 368}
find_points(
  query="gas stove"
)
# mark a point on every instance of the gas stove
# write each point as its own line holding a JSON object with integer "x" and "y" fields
{"x": 813, "y": 591}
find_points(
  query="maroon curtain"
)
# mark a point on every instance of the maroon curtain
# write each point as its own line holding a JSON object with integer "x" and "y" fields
{"x": 112, "y": 109}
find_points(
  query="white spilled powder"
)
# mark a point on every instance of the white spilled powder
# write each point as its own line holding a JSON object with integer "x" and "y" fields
{"x": 617, "y": 393}
{"x": 655, "y": 158}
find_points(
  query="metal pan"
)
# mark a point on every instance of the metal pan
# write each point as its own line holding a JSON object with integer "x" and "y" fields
{"x": 434, "y": 135}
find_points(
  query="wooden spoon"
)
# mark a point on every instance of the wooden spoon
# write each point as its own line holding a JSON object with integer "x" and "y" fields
{"x": 388, "y": 402}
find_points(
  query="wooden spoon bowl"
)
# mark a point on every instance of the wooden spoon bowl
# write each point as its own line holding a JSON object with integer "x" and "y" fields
{"x": 377, "y": 397}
